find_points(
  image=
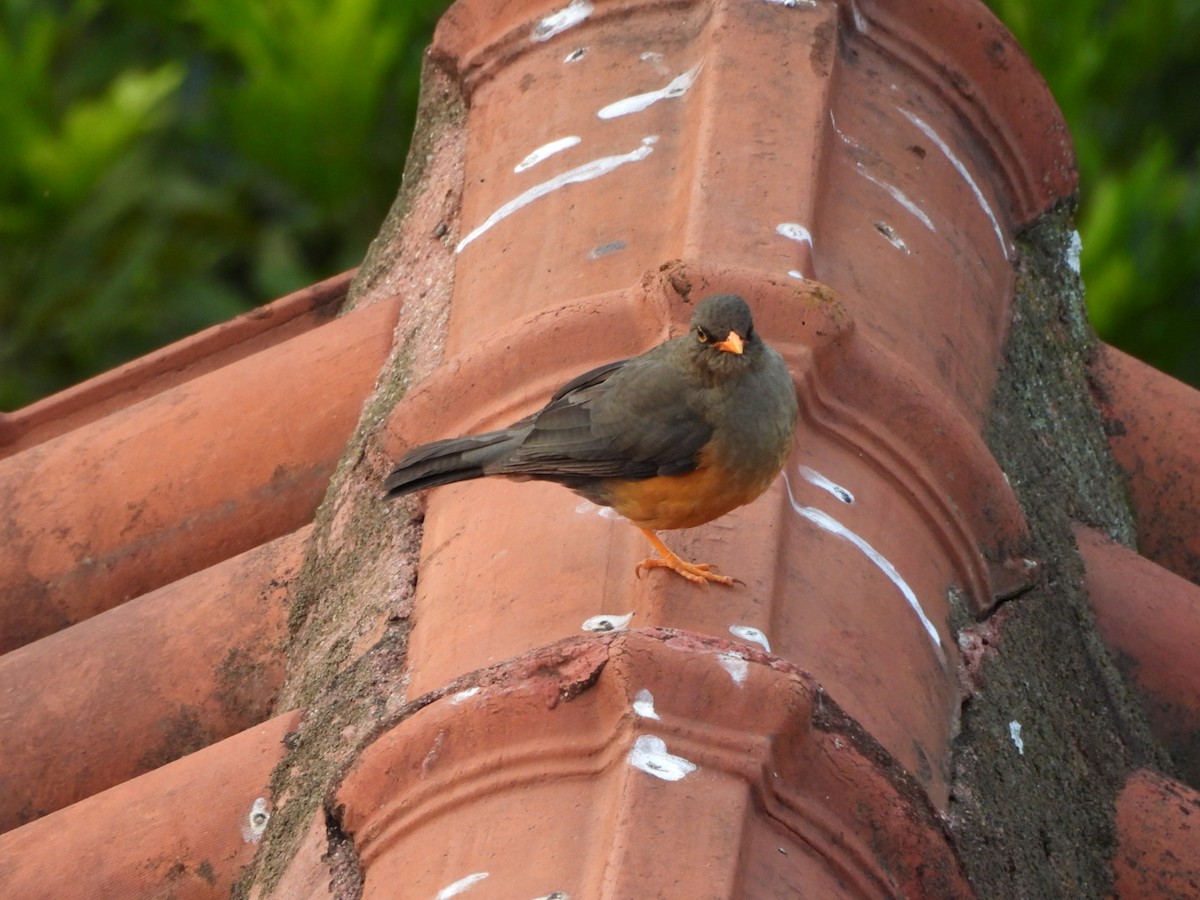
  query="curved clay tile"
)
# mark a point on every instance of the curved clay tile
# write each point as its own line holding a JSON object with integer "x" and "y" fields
{"x": 904, "y": 696}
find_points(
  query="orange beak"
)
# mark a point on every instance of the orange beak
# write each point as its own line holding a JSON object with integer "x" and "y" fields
{"x": 731, "y": 344}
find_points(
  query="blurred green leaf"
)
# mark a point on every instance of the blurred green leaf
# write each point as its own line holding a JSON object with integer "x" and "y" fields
{"x": 164, "y": 168}
{"x": 94, "y": 133}
{"x": 1122, "y": 75}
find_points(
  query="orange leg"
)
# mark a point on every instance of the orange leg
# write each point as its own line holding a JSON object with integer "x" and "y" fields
{"x": 698, "y": 573}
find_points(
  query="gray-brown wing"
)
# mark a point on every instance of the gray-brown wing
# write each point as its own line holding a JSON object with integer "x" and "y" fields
{"x": 634, "y": 419}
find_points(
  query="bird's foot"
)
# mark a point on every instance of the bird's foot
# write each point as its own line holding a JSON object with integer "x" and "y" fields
{"x": 697, "y": 573}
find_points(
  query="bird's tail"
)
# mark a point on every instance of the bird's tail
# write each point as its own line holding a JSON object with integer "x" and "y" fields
{"x": 444, "y": 462}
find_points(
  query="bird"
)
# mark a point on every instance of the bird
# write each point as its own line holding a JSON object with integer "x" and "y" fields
{"x": 688, "y": 431}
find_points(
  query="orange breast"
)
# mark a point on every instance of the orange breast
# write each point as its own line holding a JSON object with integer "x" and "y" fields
{"x": 685, "y": 501}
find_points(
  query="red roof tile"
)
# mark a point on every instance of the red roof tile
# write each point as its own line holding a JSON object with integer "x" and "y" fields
{"x": 585, "y": 173}
{"x": 183, "y": 830}
{"x": 152, "y": 680}
{"x": 1153, "y": 423}
{"x": 177, "y": 481}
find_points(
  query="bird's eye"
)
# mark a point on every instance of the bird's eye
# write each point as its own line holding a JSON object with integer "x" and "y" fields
{"x": 701, "y": 335}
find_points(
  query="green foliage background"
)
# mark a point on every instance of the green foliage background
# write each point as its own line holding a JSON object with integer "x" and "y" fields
{"x": 166, "y": 166}
{"x": 1125, "y": 76}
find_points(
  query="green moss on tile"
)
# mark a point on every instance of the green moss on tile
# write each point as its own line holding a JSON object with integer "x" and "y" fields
{"x": 1049, "y": 728}
{"x": 440, "y": 116}
{"x": 349, "y": 621}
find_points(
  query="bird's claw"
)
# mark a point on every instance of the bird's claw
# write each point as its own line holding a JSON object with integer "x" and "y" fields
{"x": 697, "y": 573}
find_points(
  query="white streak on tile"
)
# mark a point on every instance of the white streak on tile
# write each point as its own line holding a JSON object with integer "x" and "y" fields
{"x": 1014, "y": 734}
{"x": 962, "y": 171}
{"x": 896, "y": 193}
{"x": 656, "y": 60}
{"x": 606, "y": 622}
{"x": 752, "y": 634}
{"x": 649, "y": 753}
{"x": 845, "y": 138}
{"x": 794, "y": 231}
{"x": 815, "y": 478}
{"x": 828, "y": 523}
{"x": 737, "y": 667}
{"x": 464, "y": 695}
{"x": 256, "y": 821}
{"x": 679, "y": 86}
{"x": 463, "y": 884}
{"x": 546, "y": 151}
{"x": 860, "y": 21}
{"x": 576, "y": 55}
{"x": 585, "y": 172}
{"x": 898, "y": 196}
{"x": 567, "y": 17}
{"x": 1074, "y": 251}
{"x": 792, "y": 4}
{"x": 890, "y": 235}
{"x": 643, "y": 704}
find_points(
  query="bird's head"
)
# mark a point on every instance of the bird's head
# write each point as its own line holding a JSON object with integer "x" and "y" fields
{"x": 722, "y": 339}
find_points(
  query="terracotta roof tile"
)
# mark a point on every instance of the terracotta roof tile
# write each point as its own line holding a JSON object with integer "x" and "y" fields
{"x": 509, "y": 712}
{"x": 1153, "y": 424}
{"x": 186, "y": 829}
{"x": 173, "y": 365}
{"x": 1151, "y": 619}
{"x": 145, "y": 683}
{"x": 637, "y": 749}
{"x": 182, "y": 479}
{"x": 1160, "y": 844}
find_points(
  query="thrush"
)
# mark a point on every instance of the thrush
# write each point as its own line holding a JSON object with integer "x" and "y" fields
{"x": 674, "y": 438}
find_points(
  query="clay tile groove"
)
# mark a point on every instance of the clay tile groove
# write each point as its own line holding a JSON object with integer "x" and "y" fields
{"x": 1158, "y": 854}
{"x": 1153, "y": 426}
{"x": 773, "y": 791}
{"x": 183, "y": 830}
{"x": 141, "y": 685}
{"x": 143, "y": 377}
{"x": 1151, "y": 619}
{"x": 165, "y": 487}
